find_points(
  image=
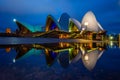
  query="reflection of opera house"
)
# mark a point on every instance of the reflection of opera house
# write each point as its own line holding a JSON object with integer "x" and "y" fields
{"x": 66, "y": 27}
{"x": 63, "y": 53}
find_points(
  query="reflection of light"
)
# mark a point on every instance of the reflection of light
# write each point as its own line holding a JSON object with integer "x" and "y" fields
{"x": 14, "y": 20}
{"x": 86, "y": 57}
{"x": 111, "y": 43}
{"x": 14, "y": 61}
{"x": 83, "y": 29}
{"x": 86, "y": 23}
{"x": 8, "y": 49}
{"x": 61, "y": 44}
{"x": 100, "y": 49}
{"x": 83, "y": 51}
{"x": 46, "y": 52}
{"x": 111, "y": 37}
{"x": 70, "y": 50}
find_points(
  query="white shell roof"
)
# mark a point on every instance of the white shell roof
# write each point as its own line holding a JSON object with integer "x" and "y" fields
{"x": 92, "y": 23}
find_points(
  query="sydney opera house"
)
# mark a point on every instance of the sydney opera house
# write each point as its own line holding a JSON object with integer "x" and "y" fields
{"x": 64, "y": 52}
{"x": 65, "y": 27}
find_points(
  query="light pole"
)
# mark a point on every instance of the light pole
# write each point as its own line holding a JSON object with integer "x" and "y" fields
{"x": 84, "y": 27}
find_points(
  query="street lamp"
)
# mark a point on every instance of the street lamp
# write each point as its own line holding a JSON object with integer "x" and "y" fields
{"x": 14, "y": 20}
{"x": 84, "y": 27}
{"x": 86, "y": 23}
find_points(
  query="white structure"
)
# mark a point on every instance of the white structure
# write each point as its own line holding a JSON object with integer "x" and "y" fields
{"x": 89, "y": 21}
{"x": 90, "y": 59}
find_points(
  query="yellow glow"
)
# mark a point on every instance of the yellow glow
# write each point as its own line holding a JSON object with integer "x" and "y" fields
{"x": 69, "y": 30}
{"x": 86, "y": 57}
{"x": 8, "y": 49}
{"x": 100, "y": 49}
{"x": 46, "y": 52}
{"x": 111, "y": 43}
{"x": 86, "y": 23}
{"x": 70, "y": 50}
{"x": 61, "y": 44}
{"x": 8, "y": 30}
{"x": 111, "y": 37}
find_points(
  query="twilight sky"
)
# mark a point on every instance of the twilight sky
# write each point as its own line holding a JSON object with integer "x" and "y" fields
{"x": 35, "y": 12}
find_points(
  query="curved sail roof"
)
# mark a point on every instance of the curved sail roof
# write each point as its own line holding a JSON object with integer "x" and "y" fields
{"x": 51, "y": 23}
{"x": 26, "y": 27}
{"x": 89, "y": 20}
{"x": 75, "y": 22}
{"x": 22, "y": 27}
{"x": 64, "y": 21}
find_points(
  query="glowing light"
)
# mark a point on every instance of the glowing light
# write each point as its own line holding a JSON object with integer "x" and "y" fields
{"x": 111, "y": 43}
{"x": 111, "y": 37}
{"x": 14, "y": 60}
{"x": 83, "y": 52}
{"x": 86, "y": 23}
{"x": 70, "y": 50}
{"x": 8, "y": 30}
{"x": 14, "y": 20}
{"x": 83, "y": 29}
{"x": 61, "y": 44}
{"x": 8, "y": 49}
{"x": 86, "y": 57}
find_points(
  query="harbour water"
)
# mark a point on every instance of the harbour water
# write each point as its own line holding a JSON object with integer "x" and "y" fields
{"x": 60, "y": 61}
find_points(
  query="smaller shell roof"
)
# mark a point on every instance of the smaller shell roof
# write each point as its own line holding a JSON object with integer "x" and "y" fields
{"x": 51, "y": 18}
{"x": 76, "y": 22}
{"x": 29, "y": 27}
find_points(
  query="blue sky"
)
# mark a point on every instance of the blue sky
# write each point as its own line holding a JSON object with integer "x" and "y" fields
{"x": 35, "y": 12}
